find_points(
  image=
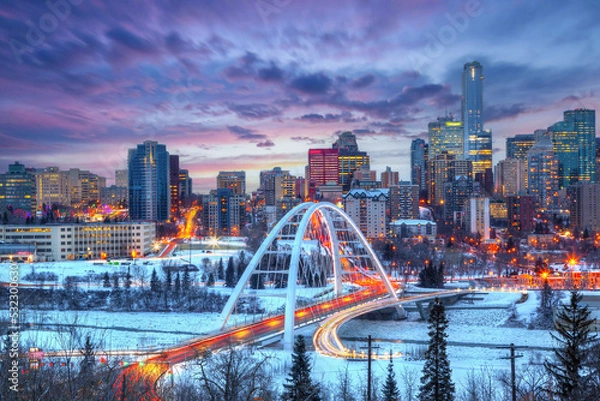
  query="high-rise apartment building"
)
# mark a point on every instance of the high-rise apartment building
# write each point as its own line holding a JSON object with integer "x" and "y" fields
{"x": 518, "y": 145}
{"x": 185, "y": 184}
{"x": 574, "y": 142}
{"x": 174, "y": 187}
{"x": 479, "y": 217}
{"x": 510, "y": 177}
{"x": 84, "y": 187}
{"x": 585, "y": 206}
{"x": 224, "y": 212}
{"x": 17, "y": 190}
{"x": 234, "y": 180}
{"x": 543, "y": 173}
{"x": 52, "y": 187}
{"x": 389, "y": 178}
{"x": 472, "y": 103}
{"x": 149, "y": 195}
{"x": 404, "y": 201}
{"x": 121, "y": 178}
{"x": 419, "y": 156}
{"x": 520, "y": 212}
{"x": 598, "y": 160}
{"x": 368, "y": 210}
{"x": 277, "y": 184}
{"x": 446, "y": 135}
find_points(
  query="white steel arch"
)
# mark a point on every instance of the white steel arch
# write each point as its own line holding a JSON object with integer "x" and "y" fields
{"x": 311, "y": 242}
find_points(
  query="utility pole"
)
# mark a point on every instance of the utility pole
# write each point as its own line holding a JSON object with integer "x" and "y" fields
{"x": 369, "y": 348}
{"x": 512, "y": 358}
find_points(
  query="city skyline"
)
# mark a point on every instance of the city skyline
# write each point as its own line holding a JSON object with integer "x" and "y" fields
{"x": 255, "y": 86}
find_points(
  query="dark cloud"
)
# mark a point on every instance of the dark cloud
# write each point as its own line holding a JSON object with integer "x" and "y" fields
{"x": 243, "y": 68}
{"x": 254, "y": 111}
{"x": 265, "y": 144}
{"x": 128, "y": 39}
{"x": 495, "y": 113}
{"x": 363, "y": 81}
{"x": 271, "y": 73}
{"x": 312, "y": 84}
{"x": 400, "y": 106}
{"x": 250, "y": 135}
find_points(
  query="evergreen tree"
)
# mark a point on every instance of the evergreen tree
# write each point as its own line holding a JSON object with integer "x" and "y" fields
{"x": 257, "y": 282}
{"x": 299, "y": 385}
{"x": 168, "y": 279}
{"x": 127, "y": 283}
{"x": 220, "y": 270}
{"x": 177, "y": 286}
{"x": 390, "y": 390}
{"x": 154, "y": 282}
{"x": 432, "y": 277}
{"x": 545, "y": 310}
{"x": 105, "y": 280}
{"x": 89, "y": 386}
{"x": 230, "y": 274}
{"x": 210, "y": 281}
{"x": 186, "y": 282}
{"x": 568, "y": 370}
{"x": 241, "y": 267}
{"x": 88, "y": 361}
{"x": 436, "y": 381}
{"x": 115, "y": 279}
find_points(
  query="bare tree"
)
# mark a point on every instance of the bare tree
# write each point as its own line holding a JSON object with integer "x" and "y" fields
{"x": 344, "y": 389}
{"x": 236, "y": 375}
{"x": 409, "y": 377}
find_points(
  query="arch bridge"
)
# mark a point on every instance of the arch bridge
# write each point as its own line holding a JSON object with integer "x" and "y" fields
{"x": 314, "y": 255}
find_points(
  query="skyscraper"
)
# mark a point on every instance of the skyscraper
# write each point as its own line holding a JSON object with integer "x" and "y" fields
{"x": 121, "y": 179}
{"x": 472, "y": 103}
{"x": 234, "y": 180}
{"x": 185, "y": 184}
{"x": 323, "y": 168}
{"x": 174, "y": 187}
{"x": 350, "y": 159}
{"x": 543, "y": 173}
{"x": 480, "y": 152}
{"x": 149, "y": 195}
{"x": 419, "y": 155}
{"x": 518, "y": 145}
{"x": 445, "y": 134}
{"x": 277, "y": 184}
{"x": 389, "y": 177}
{"x": 17, "y": 189}
{"x": 574, "y": 142}
{"x": 509, "y": 177}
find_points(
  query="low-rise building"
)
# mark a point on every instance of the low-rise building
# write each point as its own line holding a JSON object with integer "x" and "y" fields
{"x": 83, "y": 241}
{"x": 414, "y": 228}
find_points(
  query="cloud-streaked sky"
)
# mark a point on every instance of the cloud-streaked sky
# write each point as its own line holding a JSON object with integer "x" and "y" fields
{"x": 253, "y": 84}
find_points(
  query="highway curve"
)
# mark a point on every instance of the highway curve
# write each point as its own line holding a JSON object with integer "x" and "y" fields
{"x": 326, "y": 340}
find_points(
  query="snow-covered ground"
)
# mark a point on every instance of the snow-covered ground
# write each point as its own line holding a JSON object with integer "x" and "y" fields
{"x": 474, "y": 334}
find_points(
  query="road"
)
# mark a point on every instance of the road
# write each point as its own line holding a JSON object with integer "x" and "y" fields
{"x": 326, "y": 340}
{"x": 141, "y": 378}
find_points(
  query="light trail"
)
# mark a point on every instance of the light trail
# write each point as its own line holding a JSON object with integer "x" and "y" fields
{"x": 327, "y": 341}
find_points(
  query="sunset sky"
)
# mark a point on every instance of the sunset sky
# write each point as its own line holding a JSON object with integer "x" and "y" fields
{"x": 253, "y": 84}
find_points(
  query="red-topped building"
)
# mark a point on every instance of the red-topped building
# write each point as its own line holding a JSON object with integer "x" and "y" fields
{"x": 323, "y": 168}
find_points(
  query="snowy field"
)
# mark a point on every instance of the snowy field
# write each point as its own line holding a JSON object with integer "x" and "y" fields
{"x": 474, "y": 334}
